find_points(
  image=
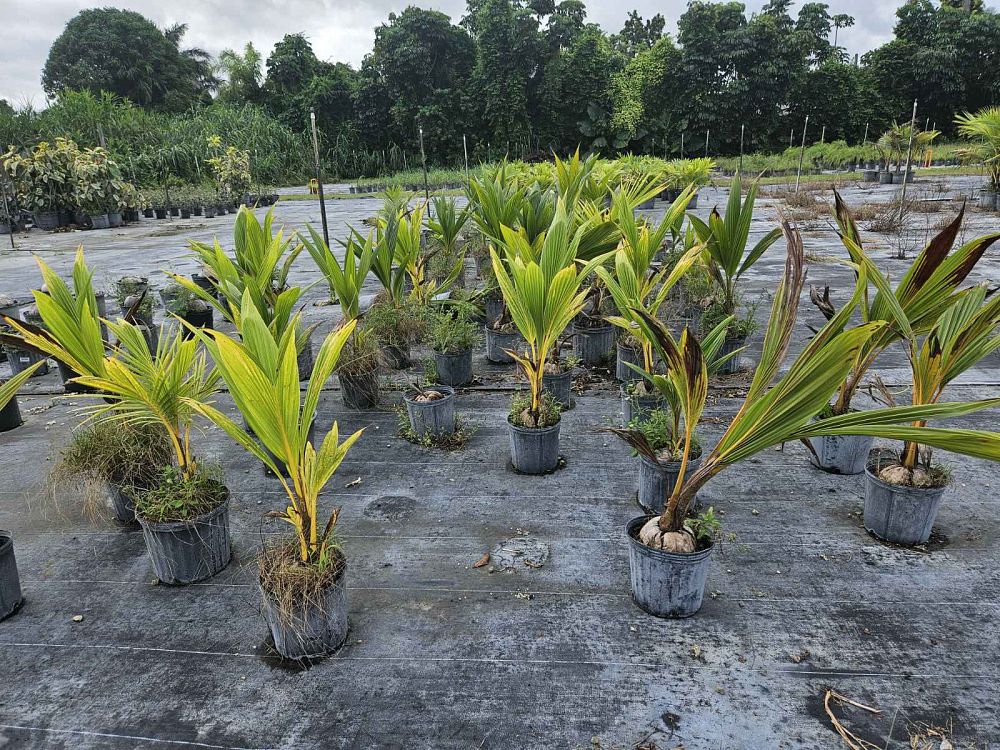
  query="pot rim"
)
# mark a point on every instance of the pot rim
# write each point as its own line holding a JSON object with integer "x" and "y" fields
{"x": 463, "y": 353}
{"x": 592, "y": 329}
{"x": 6, "y": 541}
{"x": 903, "y": 489}
{"x": 501, "y": 333}
{"x": 682, "y": 558}
{"x": 169, "y": 526}
{"x": 533, "y": 430}
{"x": 449, "y": 392}
{"x": 558, "y": 375}
{"x": 675, "y": 466}
{"x": 621, "y": 388}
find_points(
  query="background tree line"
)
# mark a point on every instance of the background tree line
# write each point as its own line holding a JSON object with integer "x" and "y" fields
{"x": 525, "y": 77}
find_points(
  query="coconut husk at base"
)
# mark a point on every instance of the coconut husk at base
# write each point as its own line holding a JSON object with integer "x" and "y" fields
{"x": 669, "y": 541}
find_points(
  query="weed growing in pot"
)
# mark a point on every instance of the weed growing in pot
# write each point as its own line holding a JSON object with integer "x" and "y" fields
{"x": 449, "y": 442}
{"x": 295, "y": 587}
{"x": 523, "y": 415}
{"x": 452, "y": 333}
{"x": 182, "y": 496}
{"x": 399, "y": 325}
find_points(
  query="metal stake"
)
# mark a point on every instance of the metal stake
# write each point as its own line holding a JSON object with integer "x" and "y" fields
{"x": 319, "y": 178}
{"x": 802, "y": 155}
{"x": 743, "y": 129}
{"x": 423, "y": 160}
{"x": 906, "y": 172}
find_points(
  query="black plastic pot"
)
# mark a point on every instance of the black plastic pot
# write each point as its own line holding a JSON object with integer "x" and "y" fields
{"x": 493, "y": 309}
{"x": 454, "y": 369}
{"x": 185, "y": 213}
{"x": 360, "y": 391}
{"x": 115, "y": 219}
{"x": 397, "y": 357}
{"x": 10, "y": 583}
{"x": 638, "y": 407}
{"x": 202, "y": 319}
{"x": 559, "y": 385}
{"x": 203, "y": 282}
{"x": 626, "y": 354}
{"x": 175, "y": 211}
{"x": 594, "y": 345}
{"x": 47, "y": 220}
{"x": 197, "y": 211}
{"x": 99, "y": 221}
{"x": 121, "y": 504}
{"x": 313, "y": 628}
{"x": 209, "y": 212}
{"x": 902, "y": 515}
{"x": 534, "y": 450}
{"x": 22, "y": 359}
{"x": 841, "y": 454}
{"x": 497, "y": 342}
{"x": 665, "y": 584}
{"x": 729, "y": 345}
{"x": 161, "y": 213}
{"x": 10, "y": 416}
{"x": 304, "y": 360}
{"x": 885, "y": 178}
{"x": 657, "y": 480}
{"x": 189, "y": 551}
{"x": 434, "y": 418}
{"x": 149, "y": 213}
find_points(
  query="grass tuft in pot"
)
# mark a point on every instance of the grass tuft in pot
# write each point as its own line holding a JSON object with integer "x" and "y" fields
{"x": 452, "y": 335}
{"x": 397, "y": 327}
{"x": 110, "y": 462}
{"x": 302, "y": 578}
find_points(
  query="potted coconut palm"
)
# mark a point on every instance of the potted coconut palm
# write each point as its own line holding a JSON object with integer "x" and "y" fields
{"x": 726, "y": 240}
{"x": 669, "y": 552}
{"x": 541, "y": 287}
{"x": 302, "y": 578}
{"x": 185, "y": 513}
{"x": 902, "y": 493}
{"x": 983, "y": 129}
{"x": 927, "y": 288}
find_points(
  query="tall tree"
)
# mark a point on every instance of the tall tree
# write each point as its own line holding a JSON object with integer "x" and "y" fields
{"x": 124, "y": 53}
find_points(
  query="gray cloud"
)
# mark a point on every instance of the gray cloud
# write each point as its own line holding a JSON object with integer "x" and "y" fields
{"x": 340, "y": 30}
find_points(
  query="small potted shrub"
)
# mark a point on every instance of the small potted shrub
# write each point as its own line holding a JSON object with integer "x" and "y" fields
{"x": 452, "y": 337}
{"x": 302, "y": 577}
{"x": 186, "y": 305}
{"x": 658, "y": 441}
{"x": 542, "y": 304}
{"x": 112, "y": 461}
{"x": 358, "y": 371}
{"x": 593, "y": 337}
{"x": 397, "y": 327}
{"x": 738, "y": 330}
{"x": 185, "y": 514}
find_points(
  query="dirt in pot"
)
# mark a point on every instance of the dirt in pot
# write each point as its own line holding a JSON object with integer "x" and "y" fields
{"x": 521, "y": 414}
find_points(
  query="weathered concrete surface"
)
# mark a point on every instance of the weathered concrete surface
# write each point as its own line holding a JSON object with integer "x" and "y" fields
{"x": 445, "y": 655}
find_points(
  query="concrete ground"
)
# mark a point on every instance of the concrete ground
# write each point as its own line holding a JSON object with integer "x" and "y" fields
{"x": 540, "y": 648}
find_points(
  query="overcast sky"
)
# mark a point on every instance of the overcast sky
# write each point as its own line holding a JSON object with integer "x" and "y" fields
{"x": 340, "y": 30}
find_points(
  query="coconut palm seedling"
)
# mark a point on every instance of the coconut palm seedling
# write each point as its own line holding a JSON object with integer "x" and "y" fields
{"x": 301, "y": 578}
{"x": 346, "y": 280}
{"x": 184, "y": 515}
{"x": 775, "y": 410}
{"x": 726, "y": 239}
{"x": 542, "y": 291}
{"x": 901, "y": 497}
{"x": 929, "y": 287}
{"x": 70, "y": 330}
{"x": 635, "y": 285}
{"x": 446, "y": 223}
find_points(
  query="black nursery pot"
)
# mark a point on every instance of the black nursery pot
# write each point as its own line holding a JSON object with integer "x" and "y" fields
{"x": 313, "y": 628}
{"x": 657, "y": 480}
{"x": 148, "y": 213}
{"x": 730, "y": 345}
{"x": 397, "y": 356}
{"x": 10, "y": 416}
{"x": 10, "y": 583}
{"x": 454, "y": 369}
{"x": 360, "y": 391}
{"x": 593, "y": 345}
{"x": 665, "y": 584}
{"x": 499, "y": 341}
{"x": 202, "y": 319}
{"x": 185, "y": 552}
{"x": 434, "y": 418}
{"x": 559, "y": 385}
{"x": 626, "y": 354}
{"x": 898, "y": 514}
{"x": 161, "y": 213}
{"x": 69, "y": 385}
{"x": 534, "y": 450}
